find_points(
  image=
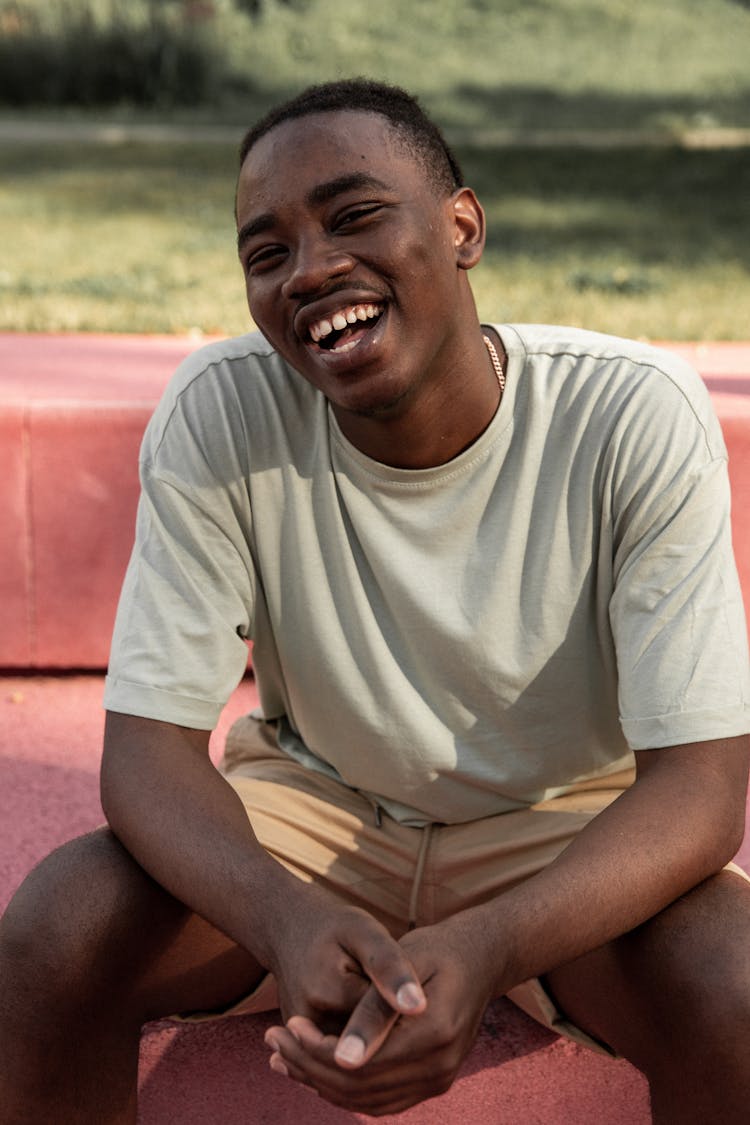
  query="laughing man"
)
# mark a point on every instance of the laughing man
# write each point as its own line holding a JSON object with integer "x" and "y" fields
{"x": 501, "y": 656}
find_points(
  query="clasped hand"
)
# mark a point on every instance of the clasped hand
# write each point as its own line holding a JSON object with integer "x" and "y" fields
{"x": 372, "y": 1024}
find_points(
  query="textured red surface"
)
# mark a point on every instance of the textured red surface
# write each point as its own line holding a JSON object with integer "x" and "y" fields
{"x": 83, "y": 481}
{"x": 15, "y": 538}
{"x": 88, "y": 368}
{"x": 72, "y": 413}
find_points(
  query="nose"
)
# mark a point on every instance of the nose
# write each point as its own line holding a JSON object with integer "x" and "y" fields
{"x": 315, "y": 262}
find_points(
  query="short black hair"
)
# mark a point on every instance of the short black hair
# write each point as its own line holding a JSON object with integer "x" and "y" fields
{"x": 402, "y": 110}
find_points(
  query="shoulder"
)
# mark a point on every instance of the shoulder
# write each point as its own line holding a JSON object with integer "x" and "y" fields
{"x": 228, "y": 392}
{"x": 550, "y": 344}
{"x": 222, "y": 364}
{"x": 632, "y": 383}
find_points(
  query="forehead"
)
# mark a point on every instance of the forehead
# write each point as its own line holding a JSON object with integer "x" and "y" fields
{"x": 296, "y": 155}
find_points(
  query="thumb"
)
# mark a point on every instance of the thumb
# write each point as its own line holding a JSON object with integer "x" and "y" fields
{"x": 392, "y": 974}
{"x": 395, "y": 991}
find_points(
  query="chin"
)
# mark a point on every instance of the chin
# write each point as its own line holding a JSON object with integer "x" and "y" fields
{"x": 380, "y": 406}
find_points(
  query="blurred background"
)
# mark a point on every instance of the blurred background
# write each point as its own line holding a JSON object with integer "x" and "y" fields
{"x": 608, "y": 140}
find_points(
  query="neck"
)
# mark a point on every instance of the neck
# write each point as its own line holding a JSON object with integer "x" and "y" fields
{"x": 439, "y": 420}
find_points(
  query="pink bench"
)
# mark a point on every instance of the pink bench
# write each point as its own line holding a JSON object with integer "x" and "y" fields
{"x": 72, "y": 412}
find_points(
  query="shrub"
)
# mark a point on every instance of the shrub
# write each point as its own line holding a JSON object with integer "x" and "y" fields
{"x": 90, "y": 53}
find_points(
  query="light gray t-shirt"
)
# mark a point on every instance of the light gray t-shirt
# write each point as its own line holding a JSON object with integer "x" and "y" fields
{"x": 455, "y": 641}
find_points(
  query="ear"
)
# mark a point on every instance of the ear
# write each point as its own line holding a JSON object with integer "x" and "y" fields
{"x": 469, "y": 228}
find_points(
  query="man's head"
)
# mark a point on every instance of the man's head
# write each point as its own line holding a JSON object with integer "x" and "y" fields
{"x": 419, "y": 135}
{"x": 355, "y": 244}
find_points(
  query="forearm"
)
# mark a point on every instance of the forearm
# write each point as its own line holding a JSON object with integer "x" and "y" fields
{"x": 680, "y": 822}
{"x": 185, "y": 825}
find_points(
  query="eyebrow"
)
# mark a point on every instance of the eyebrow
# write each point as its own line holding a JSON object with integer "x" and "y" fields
{"x": 321, "y": 193}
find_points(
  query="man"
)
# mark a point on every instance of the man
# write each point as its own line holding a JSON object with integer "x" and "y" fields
{"x": 487, "y": 571}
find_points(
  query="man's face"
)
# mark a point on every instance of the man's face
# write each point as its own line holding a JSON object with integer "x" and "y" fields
{"x": 350, "y": 258}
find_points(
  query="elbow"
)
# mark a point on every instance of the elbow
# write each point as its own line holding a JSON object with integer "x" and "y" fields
{"x": 733, "y": 816}
{"x": 108, "y": 789}
{"x": 734, "y": 836}
{"x": 724, "y": 835}
{"x": 116, "y": 766}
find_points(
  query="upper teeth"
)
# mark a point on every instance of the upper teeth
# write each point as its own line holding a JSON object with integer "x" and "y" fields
{"x": 350, "y": 314}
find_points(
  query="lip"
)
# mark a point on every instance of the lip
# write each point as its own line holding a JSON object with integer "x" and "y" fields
{"x": 326, "y": 306}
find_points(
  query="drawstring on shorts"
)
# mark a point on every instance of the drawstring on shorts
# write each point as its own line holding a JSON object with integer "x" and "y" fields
{"x": 416, "y": 886}
{"x": 424, "y": 846}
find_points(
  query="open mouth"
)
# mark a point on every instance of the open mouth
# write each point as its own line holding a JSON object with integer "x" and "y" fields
{"x": 346, "y": 327}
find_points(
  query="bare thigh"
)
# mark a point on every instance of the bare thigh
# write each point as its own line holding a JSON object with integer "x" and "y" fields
{"x": 675, "y": 992}
{"x": 89, "y": 922}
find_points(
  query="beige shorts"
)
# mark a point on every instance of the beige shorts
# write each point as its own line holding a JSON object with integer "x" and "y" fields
{"x": 327, "y": 833}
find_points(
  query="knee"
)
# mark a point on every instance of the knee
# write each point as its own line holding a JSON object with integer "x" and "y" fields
{"x": 713, "y": 1019}
{"x": 59, "y": 933}
{"x": 700, "y": 979}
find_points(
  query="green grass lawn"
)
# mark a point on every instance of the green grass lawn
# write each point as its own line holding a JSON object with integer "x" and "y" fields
{"x": 140, "y": 238}
{"x": 665, "y": 64}
{"x": 523, "y": 63}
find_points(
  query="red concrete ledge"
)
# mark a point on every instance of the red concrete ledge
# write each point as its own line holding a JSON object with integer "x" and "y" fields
{"x": 72, "y": 412}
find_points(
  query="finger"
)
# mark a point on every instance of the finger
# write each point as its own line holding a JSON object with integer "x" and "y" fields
{"x": 278, "y": 1065}
{"x": 362, "y": 1091}
{"x": 318, "y": 1071}
{"x": 333, "y": 991}
{"x": 308, "y": 1058}
{"x": 396, "y": 991}
{"x": 304, "y": 1053}
{"x": 366, "y": 1030}
{"x": 273, "y": 1035}
{"x": 306, "y": 1032}
{"x": 288, "y": 1057}
{"x": 302, "y": 1044}
{"x": 390, "y": 970}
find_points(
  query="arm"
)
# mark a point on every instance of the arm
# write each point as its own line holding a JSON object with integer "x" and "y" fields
{"x": 181, "y": 821}
{"x": 680, "y": 822}
{"x": 186, "y": 826}
{"x": 631, "y": 861}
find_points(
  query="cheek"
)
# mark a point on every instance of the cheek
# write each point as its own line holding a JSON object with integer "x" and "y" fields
{"x": 262, "y": 307}
{"x": 430, "y": 281}
{"x": 429, "y": 255}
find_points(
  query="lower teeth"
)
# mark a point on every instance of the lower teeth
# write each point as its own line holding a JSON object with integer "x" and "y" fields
{"x": 339, "y": 339}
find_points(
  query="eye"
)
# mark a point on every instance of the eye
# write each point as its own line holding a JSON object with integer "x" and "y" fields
{"x": 357, "y": 214}
{"x": 264, "y": 258}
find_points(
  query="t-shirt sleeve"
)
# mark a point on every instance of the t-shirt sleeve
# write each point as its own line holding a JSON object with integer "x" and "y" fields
{"x": 676, "y": 611}
{"x": 185, "y": 612}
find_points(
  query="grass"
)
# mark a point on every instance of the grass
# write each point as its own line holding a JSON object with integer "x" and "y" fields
{"x": 121, "y": 239}
{"x": 525, "y": 63}
{"x": 140, "y": 238}
{"x": 664, "y": 64}
{"x": 640, "y": 242}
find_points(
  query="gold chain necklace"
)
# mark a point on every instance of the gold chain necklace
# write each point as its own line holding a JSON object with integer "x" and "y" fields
{"x": 495, "y": 361}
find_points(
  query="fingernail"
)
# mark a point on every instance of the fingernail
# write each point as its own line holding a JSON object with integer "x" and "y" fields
{"x": 351, "y": 1049}
{"x": 409, "y": 996}
{"x": 277, "y": 1064}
